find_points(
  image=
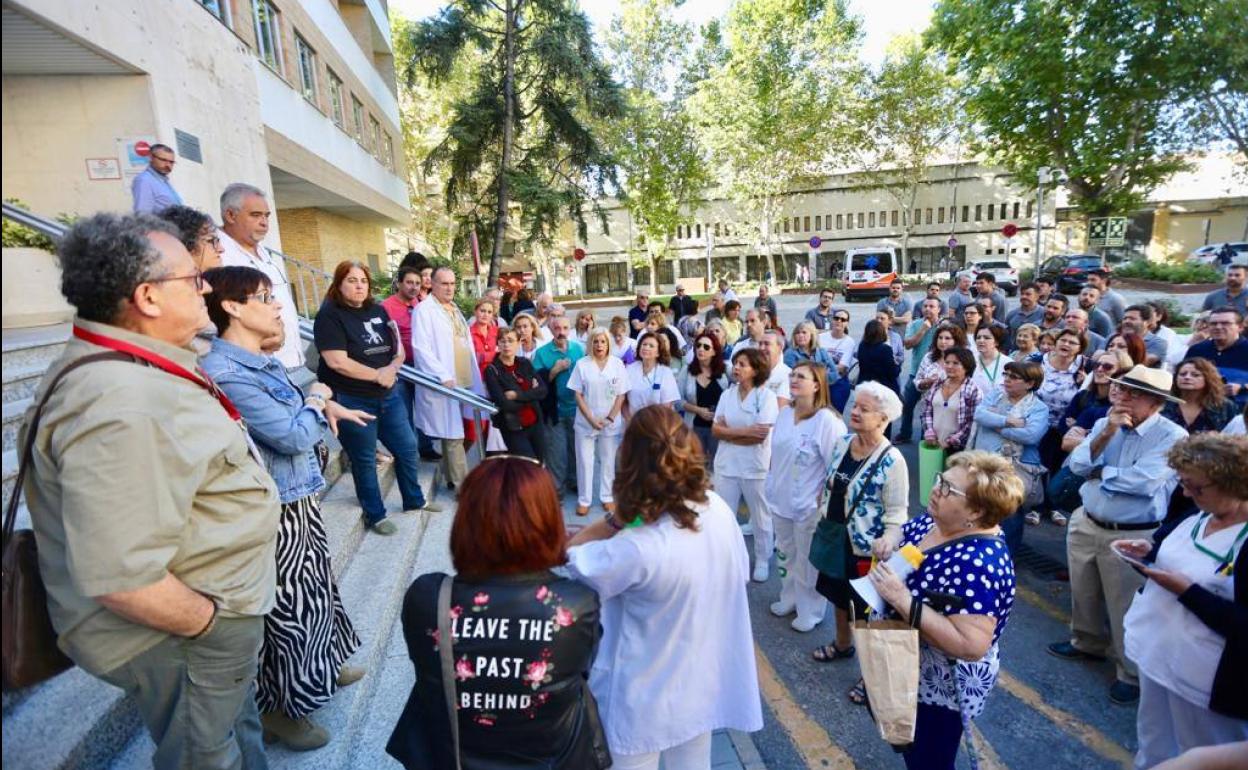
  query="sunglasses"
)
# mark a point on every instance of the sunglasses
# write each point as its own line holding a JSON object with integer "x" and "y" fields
{"x": 1106, "y": 366}
{"x": 704, "y": 346}
{"x": 842, "y": 319}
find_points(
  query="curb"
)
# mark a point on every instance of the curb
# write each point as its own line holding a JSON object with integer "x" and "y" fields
{"x": 747, "y": 752}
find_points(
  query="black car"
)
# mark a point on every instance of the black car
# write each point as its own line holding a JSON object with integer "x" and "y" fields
{"x": 1069, "y": 272}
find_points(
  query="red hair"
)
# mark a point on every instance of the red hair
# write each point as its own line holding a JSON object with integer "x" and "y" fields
{"x": 334, "y": 294}
{"x": 509, "y": 520}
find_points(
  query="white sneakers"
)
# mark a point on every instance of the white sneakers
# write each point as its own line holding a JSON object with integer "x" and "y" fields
{"x": 803, "y": 625}
{"x": 780, "y": 609}
{"x": 761, "y": 572}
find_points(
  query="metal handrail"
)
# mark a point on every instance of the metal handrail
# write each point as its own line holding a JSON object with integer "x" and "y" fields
{"x": 54, "y": 229}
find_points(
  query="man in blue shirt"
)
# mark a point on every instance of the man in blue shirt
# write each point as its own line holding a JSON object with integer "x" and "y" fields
{"x": 554, "y": 361}
{"x": 637, "y": 314}
{"x": 1233, "y": 294}
{"x": 151, "y": 189}
{"x": 1126, "y": 496}
{"x": 918, "y": 340}
{"x": 1029, "y": 310}
{"x": 1227, "y": 350}
{"x": 896, "y": 302}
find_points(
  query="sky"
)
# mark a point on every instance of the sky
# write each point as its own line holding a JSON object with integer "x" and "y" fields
{"x": 881, "y": 20}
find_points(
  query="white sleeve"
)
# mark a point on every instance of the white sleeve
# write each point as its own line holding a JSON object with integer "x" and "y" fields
{"x": 575, "y": 381}
{"x": 769, "y": 409}
{"x": 424, "y": 346}
{"x": 783, "y": 391}
{"x": 668, "y": 390}
{"x": 610, "y": 566}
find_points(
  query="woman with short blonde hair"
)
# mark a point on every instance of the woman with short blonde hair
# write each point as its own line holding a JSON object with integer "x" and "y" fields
{"x": 599, "y": 382}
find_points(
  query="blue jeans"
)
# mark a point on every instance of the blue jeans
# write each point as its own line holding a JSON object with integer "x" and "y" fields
{"x": 910, "y": 400}
{"x": 407, "y": 390}
{"x": 559, "y": 458}
{"x": 394, "y": 429}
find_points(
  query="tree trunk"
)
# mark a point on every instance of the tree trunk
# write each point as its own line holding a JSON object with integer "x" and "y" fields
{"x": 509, "y": 111}
{"x": 654, "y": 270}
{"x": 768, "y": 223}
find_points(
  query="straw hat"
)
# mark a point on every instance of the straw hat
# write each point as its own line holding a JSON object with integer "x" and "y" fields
{"x": 1156, "y": 382}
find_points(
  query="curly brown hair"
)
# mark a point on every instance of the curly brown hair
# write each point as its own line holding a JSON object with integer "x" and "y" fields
{"x": 1214, "y": 393}
{"x": 1220, "y": 457}
{"x": 660, "y": 468}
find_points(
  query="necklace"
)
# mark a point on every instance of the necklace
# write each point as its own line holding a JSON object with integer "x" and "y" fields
{"x": 1226, "y": 561}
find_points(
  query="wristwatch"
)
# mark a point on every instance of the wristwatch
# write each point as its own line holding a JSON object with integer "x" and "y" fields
{"x": 612, "y": 522}
{"x": 316, "y": 401}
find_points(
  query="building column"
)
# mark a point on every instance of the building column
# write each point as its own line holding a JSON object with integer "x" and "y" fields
{"x": 1158, "y": 248}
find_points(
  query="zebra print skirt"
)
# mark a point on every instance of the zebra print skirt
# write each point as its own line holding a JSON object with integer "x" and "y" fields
{"x": 307, "y": 635}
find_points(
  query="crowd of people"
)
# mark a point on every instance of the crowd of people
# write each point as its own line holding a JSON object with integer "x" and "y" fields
{"x": 211, "y": 593}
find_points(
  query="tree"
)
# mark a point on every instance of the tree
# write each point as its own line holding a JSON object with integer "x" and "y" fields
{"x": 907, "y": 117}
{"x": 1214, "y": 109}
{"x": 520, "y": 133}
{"x": 1081, "y": 85}
{"x": 661, "y": 162}
{"x": 770, "y": 109}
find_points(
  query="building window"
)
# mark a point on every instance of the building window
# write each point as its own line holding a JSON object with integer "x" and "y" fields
{"x": 357, "y": 117}
{"x": 840, "y": 224}
{"x": 871, "y": 220}
{"x": 818, "y": 221}
{"x": 953, "y": 214}
{"x": 716, "y": 229}
{"x": 1016, "y": 205}
{"x": 883, "y": 215}
{"x": 979, "y": 212}
{"x": 1004, "y": 212}
{"x": 335, "y": 98}
{"x": 786, "y": 224}
{"x": 806, "y": 224}
{"x": 849, "y": 221}
{"x": 860, "y": 220}
{"x": 992, "y": 211}
{"x": 918, "y": 217}
{"x": 699, "y": 230}
{"x": 375, "y": 130}
{"x": 940, "y": 215}
{"x": 966, "y": 210}
{"x": 893, "y": 219}
{"x": 269, "y": 34}
{"x": 928, "y": 220}
{"x": 1031, "y": 209}
{"x": 797, "y": 224}
{"x": 307, "y": 68}
{"x": 388, "y": 158}
{"x": 218, "y": 8}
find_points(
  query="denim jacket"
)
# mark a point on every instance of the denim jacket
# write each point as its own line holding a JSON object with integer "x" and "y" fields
{"x": 285, "y": 430}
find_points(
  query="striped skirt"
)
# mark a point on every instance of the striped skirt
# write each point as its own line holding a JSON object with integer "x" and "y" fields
{"x": 307, "y": 635}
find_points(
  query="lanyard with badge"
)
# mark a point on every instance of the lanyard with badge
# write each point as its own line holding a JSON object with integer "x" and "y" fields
{"x": 1225, "y": 561}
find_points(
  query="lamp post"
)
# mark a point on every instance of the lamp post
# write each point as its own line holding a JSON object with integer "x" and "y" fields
{"x": 1043, "y": 177}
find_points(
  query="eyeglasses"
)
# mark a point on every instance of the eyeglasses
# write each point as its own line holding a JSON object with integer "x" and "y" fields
{"x": 265, "y": 297}
{"x": 196, "y": 276}
{"x": 212, "y": 239}
{"x": 1194, "y": 489}
{"x": 842, "y": 319}
{"x": 1012, "y": 376}
{"x": 1106, "y": 366}
{"x": 943, "y": 487}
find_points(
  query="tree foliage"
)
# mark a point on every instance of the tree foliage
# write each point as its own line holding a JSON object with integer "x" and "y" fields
{"x": 770, "y": 110}
{"x": 662, "y": 167}
{"x": 521, "y": 132}
{"x": 1081, "y": 85}
{"x": 1214, "y": 106}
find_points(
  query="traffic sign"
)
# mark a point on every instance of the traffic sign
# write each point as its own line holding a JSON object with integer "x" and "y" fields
{"x": 1010, "y": 230}
{"x": 815, "y": 242}
{"x": 952, "y": 243}
{"x": 1107, "y": 231}
{"x": 571, "y": 270}
{"x": 142, "y": 148}
{"x": 578, "y": 255}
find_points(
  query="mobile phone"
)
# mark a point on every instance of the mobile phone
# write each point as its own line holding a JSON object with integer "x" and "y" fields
{"x": 1129, "y": 559}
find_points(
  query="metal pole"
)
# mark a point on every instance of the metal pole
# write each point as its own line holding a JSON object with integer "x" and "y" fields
{"x": 1039, "y": 225}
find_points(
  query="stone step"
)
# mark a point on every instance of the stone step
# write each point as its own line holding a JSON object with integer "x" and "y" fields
{"x": 33, "y": 347}
{"x": 372, "y": 589}
{"x": 20, "y": 381}
{"x": 13, "y": 414}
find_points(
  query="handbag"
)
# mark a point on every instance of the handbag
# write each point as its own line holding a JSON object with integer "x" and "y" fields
{"x": 1033, "y": 477}
{"x": 30, "y": 653}
{"x": 829, "y": 543}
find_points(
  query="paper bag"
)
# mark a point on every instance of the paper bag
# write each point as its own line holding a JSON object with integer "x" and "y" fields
{"x": 888, "y": 654}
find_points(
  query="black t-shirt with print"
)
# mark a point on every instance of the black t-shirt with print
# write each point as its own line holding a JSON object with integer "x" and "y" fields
{"x": 365, "y": 334}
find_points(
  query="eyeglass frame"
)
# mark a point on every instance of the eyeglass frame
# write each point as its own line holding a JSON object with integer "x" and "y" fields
{"x": 943, "y": 487}
{"x": 197, "y": 277}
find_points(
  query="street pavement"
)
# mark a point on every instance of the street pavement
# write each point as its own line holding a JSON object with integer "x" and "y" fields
{"x": 1044, "y": 712}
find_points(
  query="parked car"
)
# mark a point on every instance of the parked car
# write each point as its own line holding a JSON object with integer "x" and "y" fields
{"x": 1211, "y": 254}
{"x": 1006, "y": 275}
{"x": 1069, "y": 272}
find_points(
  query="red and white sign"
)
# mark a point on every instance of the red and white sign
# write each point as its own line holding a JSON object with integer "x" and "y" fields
{"x": 1010, "y": 230}
{"x": 578, "y": 255}
{"x": 142, "y": 149}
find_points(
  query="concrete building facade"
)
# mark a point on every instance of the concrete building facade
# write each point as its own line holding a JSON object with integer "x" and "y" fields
{"x": 297, "y": 97}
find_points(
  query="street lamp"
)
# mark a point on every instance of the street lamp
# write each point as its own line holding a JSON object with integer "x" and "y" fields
{"x": 1044, "y": 175}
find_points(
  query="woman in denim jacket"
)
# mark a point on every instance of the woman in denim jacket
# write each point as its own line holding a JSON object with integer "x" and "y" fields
{"x": 307, "y": 634}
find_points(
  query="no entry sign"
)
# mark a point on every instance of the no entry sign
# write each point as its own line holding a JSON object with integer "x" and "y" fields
{"x": 1010, "y": 230}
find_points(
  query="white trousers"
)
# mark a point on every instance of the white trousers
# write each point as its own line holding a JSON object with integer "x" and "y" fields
{"x": 693, "y": 754}
{"x": 1168, "y": 725}
{"x": 797, "y": 574}
{"x": 732, "y": 489}
{"x": 588, "y": 447}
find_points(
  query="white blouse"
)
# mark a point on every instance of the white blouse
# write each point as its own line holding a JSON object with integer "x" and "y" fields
{"x": 657, "y": 387}
{"x": 674, "y": 610}
{"x": 599, "y": 387}
{"x": 800, "y": 453}
{"x": 746, "y": 461}
{"x": 988, "y": 377}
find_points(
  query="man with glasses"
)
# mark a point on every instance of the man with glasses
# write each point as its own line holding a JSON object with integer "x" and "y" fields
{"x": 156, "y": 517}
{"x": 151, "y": 189}
{"x": 244, "y": 224}
{"x": 821, "y": 314}
{"x": 1227, "y": 349}
{"x": 1126, "y": 495}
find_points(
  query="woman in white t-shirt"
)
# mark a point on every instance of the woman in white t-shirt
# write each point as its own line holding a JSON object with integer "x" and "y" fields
{"x": 802, "y": 444}
{"x": 599, "y": 383}
{"x": 650, "y": 379}
{"x": 838, "y": 343}
{"x": 742, "y": 426}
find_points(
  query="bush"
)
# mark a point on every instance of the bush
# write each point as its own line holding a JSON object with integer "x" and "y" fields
{"x": 1168, "y": 272}
{"x": 16, "y": 236}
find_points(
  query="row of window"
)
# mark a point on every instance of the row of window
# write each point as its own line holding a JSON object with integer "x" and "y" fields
{"x": 267, "y": 20}
{"x": 863, "y": 220}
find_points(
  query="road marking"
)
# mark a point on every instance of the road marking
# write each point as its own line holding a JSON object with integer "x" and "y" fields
{"x": 1042, "y": 604}
{"x": 810, "y": 740}
{"x": 1086, "y": 734}
{"x": 988, "y": 757}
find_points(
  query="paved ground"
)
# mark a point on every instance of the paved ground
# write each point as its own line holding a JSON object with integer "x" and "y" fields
{"x": 1044, "y": 713}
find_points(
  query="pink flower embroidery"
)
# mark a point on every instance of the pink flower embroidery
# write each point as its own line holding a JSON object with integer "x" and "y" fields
{"x": 563, "y": 617}
{"x": 435, "y": 635}
{"x": 481, "y": 599}
{"x": 542, "y": 593}
{"x": 455, "y": 612}
{"x": 483, "y": 720}
{"x": 463, "y": 669}
{"x": 537, "y": 673}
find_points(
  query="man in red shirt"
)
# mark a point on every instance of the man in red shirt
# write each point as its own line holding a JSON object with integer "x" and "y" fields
{"x": 398, "y": 306}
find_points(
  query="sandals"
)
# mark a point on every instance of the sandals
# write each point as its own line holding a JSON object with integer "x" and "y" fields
{"x": 1032, "y": 518}
{"x": 858, "y": 694}
{"x": 827, "y": 653}
{"x": 1059, "y": 518}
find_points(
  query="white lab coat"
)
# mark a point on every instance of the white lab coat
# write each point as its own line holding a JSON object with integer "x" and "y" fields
{"x": 291, "y": 352}
{"x": 433, "y": 341}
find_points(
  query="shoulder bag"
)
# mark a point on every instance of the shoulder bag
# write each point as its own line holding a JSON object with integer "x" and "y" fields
{"x": 828, "y": 544}
{"x": 30, "y": 654}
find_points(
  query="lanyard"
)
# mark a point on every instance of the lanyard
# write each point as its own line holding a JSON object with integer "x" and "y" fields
{"x": 992, "y": 378}
{"x": 1225, "y": 561}
{"x": 160, "y": 362}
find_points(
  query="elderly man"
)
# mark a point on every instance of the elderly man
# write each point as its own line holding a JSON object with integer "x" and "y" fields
{"x": 155, "y": 518}
{"x": 1077, "y": 319}
{"x": 442, "y": 347}
{"x": 821, "y": 314}
{"x": 960, "y": 297}
{"x": 151, "y": 189}
{"x": 682, "y": 304}
{"x": 778, "y": 382}
{"x": 896, "y": 302}
{"x": 1126, "y": 495}
{"x": 244, "y": 224}
{"x": 554, "y": 361}
{"x": 1233, "y": 294}
{"x": 1138, "y": 320}
{"x": 716, "y": 310}
{"x": 764, "y": 301}
{"x": 1113, "y": 303}
{"x": 1227, "y": 349}
{"x": 918, "y": 340}
{"x": 1098, "y": 320}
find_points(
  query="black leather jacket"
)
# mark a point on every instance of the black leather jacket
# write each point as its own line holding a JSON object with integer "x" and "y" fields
{"x": 498, "y": 381}
{"x": 523, "y": 650}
